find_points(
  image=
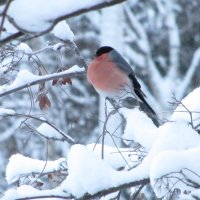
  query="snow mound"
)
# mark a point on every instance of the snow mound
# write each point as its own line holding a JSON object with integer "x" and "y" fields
{"x": 14, "y": 168}
{"x": 63, "y": 31}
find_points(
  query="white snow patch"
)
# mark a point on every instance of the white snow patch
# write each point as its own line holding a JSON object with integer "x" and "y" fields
{"x": 48, "y": 131}
{"x": 24, "y": 48}
{"x": 116, "y": 157}
{"x": 169, "y": 164}
{"x": 4, "y": 112}
{"x": 39, "y": 15}
{"x": 89, "y": 174}
{"x": 74, "y": 69}
{"x": 139, "y": 127}
{"x": 63, "y": 31}
{"x": 27, "y": 191}
{"x": 24, "y": 77}
{"x": 14, "y": 168}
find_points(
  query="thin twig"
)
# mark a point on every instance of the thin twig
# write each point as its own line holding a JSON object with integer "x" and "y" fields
{"x": 3, "y": 14}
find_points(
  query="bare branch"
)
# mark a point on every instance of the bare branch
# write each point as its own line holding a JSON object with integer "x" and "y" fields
{"x": 47, "y": 196}
{"x": 177, "y": 102}
{"x": 65, "y": 136}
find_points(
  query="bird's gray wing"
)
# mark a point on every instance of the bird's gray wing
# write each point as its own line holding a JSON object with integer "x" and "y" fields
{"x": 121, "y": 62}
{"x": 124, "y": 66}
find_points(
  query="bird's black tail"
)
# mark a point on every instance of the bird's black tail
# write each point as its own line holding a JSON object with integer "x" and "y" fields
{"x": 150, "y": 113}
{"x": 145, "y": 107}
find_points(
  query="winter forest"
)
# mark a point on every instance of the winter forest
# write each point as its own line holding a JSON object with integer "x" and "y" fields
{"x": 60, "y": 139}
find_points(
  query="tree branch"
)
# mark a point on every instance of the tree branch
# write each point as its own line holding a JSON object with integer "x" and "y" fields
{"x": 22, "y": 31}
{"x": 96, "y": 195}
{"x": 115, "y": 189}
{"x": 41, "y": 79}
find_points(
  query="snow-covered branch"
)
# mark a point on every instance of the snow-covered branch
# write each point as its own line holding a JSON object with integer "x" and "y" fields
{"x": 26, "y": 79}
{"x": 115, "y": 189}
{"x": 27, "y": 21}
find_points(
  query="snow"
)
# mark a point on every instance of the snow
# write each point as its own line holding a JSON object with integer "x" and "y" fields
{"x": 116, "y": 157}
{"x": 93, "y": 170}
{"x": 14, "y": 168}
{"x": 63, "y": 31}
{"x": 24, "y": 48}
{"x": 48, "y": 131}
{"x": 88, "y": 173}
{"x": 174, "y": 147}
{"x": 27, "y": 191}
{"x": 24, "y": 190}
{"x": 144, "y": 135}
{"x": 25, "y": 78}
{"x": 5, "y": 112}
{"x": 27, "y": 13}
{"x": 74, "y": 69}
{"x": 168, "y": 163}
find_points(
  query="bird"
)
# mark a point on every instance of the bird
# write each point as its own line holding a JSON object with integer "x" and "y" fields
{"x": 112, "y": 77}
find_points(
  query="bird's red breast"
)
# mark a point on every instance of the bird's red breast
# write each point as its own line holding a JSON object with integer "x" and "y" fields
{"x": 106, "y": 77}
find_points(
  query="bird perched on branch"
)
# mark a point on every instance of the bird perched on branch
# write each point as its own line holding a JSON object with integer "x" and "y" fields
{"x": 113, "y": 77}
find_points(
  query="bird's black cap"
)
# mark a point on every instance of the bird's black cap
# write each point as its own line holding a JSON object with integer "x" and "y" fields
{"x": 104, "y": 49}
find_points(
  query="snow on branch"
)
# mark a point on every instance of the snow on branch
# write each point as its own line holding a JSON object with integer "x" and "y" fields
{"x": 182, "y": 171}
{"x": 89, "y": 176}
{"x": 26, "y": 79}
{"x": 171, "y": 163}
{"x": 31, "y": 167}
{"x": 30, "y": 15}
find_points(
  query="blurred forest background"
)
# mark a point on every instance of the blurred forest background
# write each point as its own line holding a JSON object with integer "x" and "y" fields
{"x": 159, "y": 38}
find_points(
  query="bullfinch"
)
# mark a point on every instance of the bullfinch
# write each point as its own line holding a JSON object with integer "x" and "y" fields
{"x": 113, "y": 77}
